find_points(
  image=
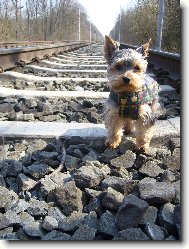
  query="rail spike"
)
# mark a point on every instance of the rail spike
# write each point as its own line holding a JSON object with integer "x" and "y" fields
{"x": 20, "y": 63}
{"x": 54, "y": 54}
{"x": 36, "y": 59}
{"x": 46, "y": 56}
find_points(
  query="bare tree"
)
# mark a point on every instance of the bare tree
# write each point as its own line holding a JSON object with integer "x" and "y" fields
{"x": 139, "y": 23}
{"x": 44, "y": 20}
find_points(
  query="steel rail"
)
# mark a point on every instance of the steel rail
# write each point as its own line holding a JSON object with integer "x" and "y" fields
{"x": 27, "y": 43}
{"x": 8, "y": 57}
{"x": 169, "y": 62}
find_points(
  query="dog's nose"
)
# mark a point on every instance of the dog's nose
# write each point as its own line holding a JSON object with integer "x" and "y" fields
{"x": 126, "y": 80}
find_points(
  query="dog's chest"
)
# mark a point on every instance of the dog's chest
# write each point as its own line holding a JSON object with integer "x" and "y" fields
{"x": 129, "y": 103}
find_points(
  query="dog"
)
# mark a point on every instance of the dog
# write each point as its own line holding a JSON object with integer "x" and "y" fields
{"x": 133, "y": 98}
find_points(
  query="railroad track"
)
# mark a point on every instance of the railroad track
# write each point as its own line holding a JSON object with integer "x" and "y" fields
{"x": 59, "y": 180}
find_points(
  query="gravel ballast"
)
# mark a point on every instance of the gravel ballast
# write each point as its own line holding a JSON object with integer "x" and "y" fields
{"x": 89, "y": 197}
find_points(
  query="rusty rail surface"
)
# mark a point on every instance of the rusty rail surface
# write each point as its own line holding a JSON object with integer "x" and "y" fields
{"x": 7, "y": 45}
{"x": 169, "y": 62}
{"x": 11, "y": 57}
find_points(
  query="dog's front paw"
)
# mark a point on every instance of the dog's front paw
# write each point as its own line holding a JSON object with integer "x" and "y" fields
{"x": 112, "y": 144}
{"x": 141, "y": 150}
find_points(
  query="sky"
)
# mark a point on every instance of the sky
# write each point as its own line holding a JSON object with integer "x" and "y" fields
{"x": 103, "y": 13}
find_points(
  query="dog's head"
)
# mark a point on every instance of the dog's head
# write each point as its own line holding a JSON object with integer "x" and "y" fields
{"x": 127, "y": 67}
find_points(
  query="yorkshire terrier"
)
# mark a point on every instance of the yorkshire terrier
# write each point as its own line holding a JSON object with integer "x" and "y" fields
{"x": 133, "y": 98}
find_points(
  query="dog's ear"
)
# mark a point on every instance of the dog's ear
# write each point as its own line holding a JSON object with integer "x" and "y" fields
{"x": 109, "y": 47}
{"x": 144, "y": 48}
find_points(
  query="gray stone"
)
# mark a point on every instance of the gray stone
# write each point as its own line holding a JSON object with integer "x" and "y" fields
{"x": 91, "y": 156}
{"x": 126, "y": 160}
{"x": 33, "y": 229}
{"x": 130, "y": 212}
{"x": 154, "y": 232}
{"x": 140, "y": 160}
{"x": 166, "y": 217}
{"x": 11, "y": 236}
{"x": 72, "y": 222}
{"x": 28, "y": 117}
{"x": 157, "y": 192}
{"x": 50, "y": 223}
{"x": 177, "y": 218}
{"x": 36, "y": 145}
{"x": 174, "y": 143}
{"x": 56, "y": 213}
{"x": 15, "y": 168}
{"x": 2, "y": 181}
{"x": 162, "y": 153}
{"x": 122, "y": 185}
{"x": 108, "y": 155}
{"x": 55, "y": 145}
{"x": 176, "y": 152}
{"x": 88, "y": 176}
{"x": 84, "y": 233}
{"x": 4, "y": 167}
{"x": 56, "y": 235}
{"x": 11, "y": 182}
{"x": 44, "y": 155}
{"x": 69, "y": 198}
{"x": 131, "y": 234}
{"x": 71, "y": 163}
{"x": 38, "y": 170}
{"x": 7, "y": 197}
{"x": 129, "y": 144}
{"x": 22, "y": 235}
{"x": 60, "y": 178}
{"x": 95, "y": 205}
{"x": 177, "y": 192}
{"x": 25, "y": 218}
{"x": 6, "y": 230}
{"x": 6, "y": 107}
{"x": 25, "y": 183}
{"x": 167, "y": 176}
{"x": 91, "y": 220}
{"x": 74, "y": 140}
{"x": 172, "y": 163}
{"x": 10, "y": 218}
{"x": 77, "y": 153}
{"x": 37, "y": 208}
{"x": 92, "y": 192}
{"x": 151, "y": 169}
{"x": 20, "y": 147}
{"x": 47, "y": 185}
{"x": 18, "y": 207}
{"x": 148, "y": 179}
{"x": 170, "y": 238}
{"x": 112, "y": 199}
{"x": 107, "y": 224}
{"x": 149, "y": 216}
{"x": 121, "y": 172}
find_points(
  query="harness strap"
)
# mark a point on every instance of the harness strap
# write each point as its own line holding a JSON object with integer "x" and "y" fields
{"x": 129, "y": 102}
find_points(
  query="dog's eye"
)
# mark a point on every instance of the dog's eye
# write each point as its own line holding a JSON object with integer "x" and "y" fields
{"x": 118, "y": 67}
{"x": 136, "y": 68}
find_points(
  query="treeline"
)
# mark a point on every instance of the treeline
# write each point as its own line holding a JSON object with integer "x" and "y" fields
{"x": 55, "y": 20}
{"x": 139, "y": 23}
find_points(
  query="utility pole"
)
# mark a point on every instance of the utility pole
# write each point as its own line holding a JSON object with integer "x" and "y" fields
{"x": 160, "y": 25}
{"x": 120, "y": 25}
{"x": 90, "y": 30}
{"x": 79, "y": 33}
